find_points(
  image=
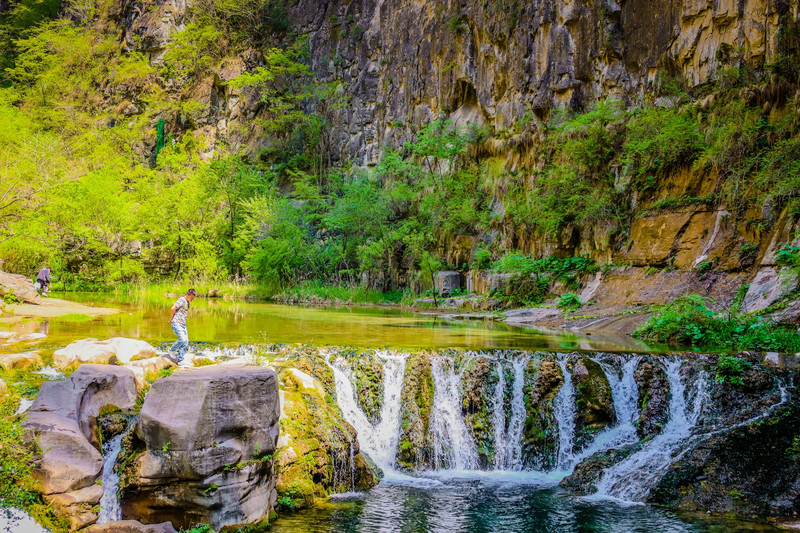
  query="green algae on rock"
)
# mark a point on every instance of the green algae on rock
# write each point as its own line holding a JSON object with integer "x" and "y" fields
{"x": 415, "y": 448}
{"x": 318, "y": 451}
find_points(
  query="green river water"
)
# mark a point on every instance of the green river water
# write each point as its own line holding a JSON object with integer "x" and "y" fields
{"x": 223, "y": 321}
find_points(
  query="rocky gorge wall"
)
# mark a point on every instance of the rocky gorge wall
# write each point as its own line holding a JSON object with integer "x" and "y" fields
{"x": 403, "y": 64}
{"x": 399, "y": 65}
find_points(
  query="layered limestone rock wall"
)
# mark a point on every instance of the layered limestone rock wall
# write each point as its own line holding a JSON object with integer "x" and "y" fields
{"x": 403, "y": 64}
{"x": 493, "y": 62}
{"x": 400, "y": 65}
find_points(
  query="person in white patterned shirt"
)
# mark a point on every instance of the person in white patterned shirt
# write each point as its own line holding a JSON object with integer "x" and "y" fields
{"x": 180, "y": 312}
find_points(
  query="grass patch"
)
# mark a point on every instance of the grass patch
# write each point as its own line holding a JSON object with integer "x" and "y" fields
{"x": 316, "y": 291}
{"x": 75, "y": 317}
{"x": 693, "y": 320}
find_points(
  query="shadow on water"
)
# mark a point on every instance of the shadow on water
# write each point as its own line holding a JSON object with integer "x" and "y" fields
{"x": 220, "y": 321}
{"x": 485, "y": 506}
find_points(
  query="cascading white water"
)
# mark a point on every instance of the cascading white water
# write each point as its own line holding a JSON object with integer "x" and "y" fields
{"x": 517, "y": 424}
{"x": 453, "y": 447}
{"x": 564, "y": 411}
{"x": 625, "y": 394}
{"x": 499, "y": 419}
{"x": 110, "y": 510}
{"x": 632, "y": 478}
{"x": 379, "y": 441}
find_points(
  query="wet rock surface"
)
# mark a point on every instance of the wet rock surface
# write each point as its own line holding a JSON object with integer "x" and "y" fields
{"x": 594, "y": 403}
{"x": 653, "y": 397}
{"x": 477, "y": 384}
{"x": 203, "y": 448}
{"x": 415, "y": 449}
{"x": 318, "y": 451}
{"x": 751, "y": 470}
{"x": 540, "y": 434}
{"x": 63, "y": 421}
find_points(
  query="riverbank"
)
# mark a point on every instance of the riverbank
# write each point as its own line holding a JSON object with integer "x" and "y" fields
{"x": 51, "y": 308}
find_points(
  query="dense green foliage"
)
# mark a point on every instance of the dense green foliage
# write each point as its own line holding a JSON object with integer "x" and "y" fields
{"x": 730, "y": 369}
{"x": 90, "y": 189}
{"x": 692, "y": 320}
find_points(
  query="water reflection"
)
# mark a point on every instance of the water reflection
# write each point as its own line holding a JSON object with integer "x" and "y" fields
{"x": 369, "y": 327}
{"x": 479, "y": 506}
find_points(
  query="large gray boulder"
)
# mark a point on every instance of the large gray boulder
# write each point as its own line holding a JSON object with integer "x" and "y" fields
{"x": 208, "y": 437}
{"x": 62, "y": 421}
{"x": 18, "y": 286}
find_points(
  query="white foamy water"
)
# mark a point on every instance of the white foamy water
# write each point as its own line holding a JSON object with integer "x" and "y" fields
{"x": 564, "y": 411}
{"x": 379, "y": 441}
{"x": 631, "y": 479}
{"x": 110, "y": 510}
{"x": 453, "y": 447}
{"x": 508, "y": 441}
{"x": 625, "y": 394}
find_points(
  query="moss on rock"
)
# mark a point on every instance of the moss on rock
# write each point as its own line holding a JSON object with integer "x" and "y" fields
{"x": 415, "y": 448}
{"x": 477, "y": 385}
{"x": 593, "y": 400}
{"x": 540, "y": 434}
{"x": 318, "y": 450}
{"x": 651, "y": 379}
{"x": 367, "y": 379}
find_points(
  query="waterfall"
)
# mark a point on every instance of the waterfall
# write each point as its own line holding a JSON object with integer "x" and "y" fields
{"x": 379, "y": 441}
{"x": 453, "y": 447}
{"x": 499, "y": 419}
{"x": 632, "y": 478}
{"x": 110, "y": 510}
{"x": 625, "y": 394}
{"x": 564, "y": 410}
{"x": 517, "y": 424}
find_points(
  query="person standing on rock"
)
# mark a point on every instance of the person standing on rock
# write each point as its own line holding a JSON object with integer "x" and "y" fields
{"x": 43, "y": 279}
{"x": 180, "y": 311}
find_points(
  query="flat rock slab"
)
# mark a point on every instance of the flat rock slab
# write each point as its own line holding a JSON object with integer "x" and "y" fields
{"x": 131, "y": 526}
{"x": 114, "y": 350}
{"x": 21, "y": 361}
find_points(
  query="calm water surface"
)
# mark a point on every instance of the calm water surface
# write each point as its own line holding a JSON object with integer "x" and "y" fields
{"x": 483, "y": 506}
{"x": 368, "y": 327}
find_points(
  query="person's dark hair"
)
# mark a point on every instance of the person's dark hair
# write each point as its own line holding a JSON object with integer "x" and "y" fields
{"x": 191, "y": 292}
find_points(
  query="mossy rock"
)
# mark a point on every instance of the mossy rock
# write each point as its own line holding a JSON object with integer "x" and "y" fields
{"x": 367, "y": 378}
{"x": 651, "y": 379}
{"x": 477, "y": 388}
{"x": 593, "y": 400}
{"x": 415, "y": 447}
{"x": 543, "y": 379}
{"x": 321, "y": 455}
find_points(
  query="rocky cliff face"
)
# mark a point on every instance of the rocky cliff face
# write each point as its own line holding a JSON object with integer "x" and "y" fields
{"x": 209, "y": 437}
{"x": 403, "y": 64}
{"x": 502, "y": 65}
{"x": 493, "y": 62}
